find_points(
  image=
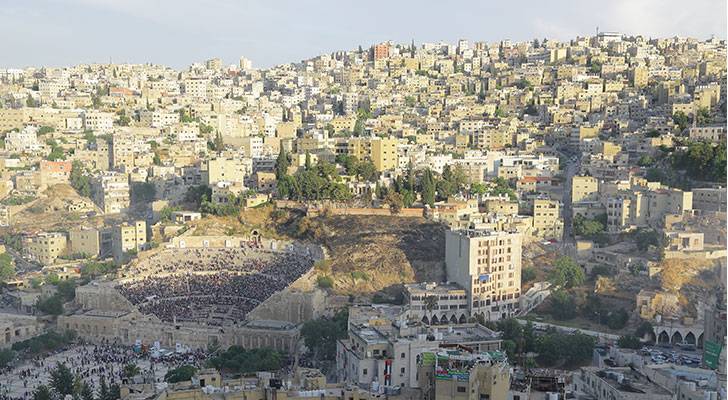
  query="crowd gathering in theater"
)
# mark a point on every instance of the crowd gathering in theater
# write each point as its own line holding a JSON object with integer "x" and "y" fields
{"x": 211, "y": 285}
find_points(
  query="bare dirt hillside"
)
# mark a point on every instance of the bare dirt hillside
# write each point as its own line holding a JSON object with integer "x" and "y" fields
{"x": 50, "y": 211}
{"x": 368, "y": 254}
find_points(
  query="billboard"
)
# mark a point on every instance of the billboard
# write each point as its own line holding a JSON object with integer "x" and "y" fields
{"x": 711, "y": 353}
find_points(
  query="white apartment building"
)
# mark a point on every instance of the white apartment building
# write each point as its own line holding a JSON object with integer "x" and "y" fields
{"x": 487, "y": 265}
{"x": 25, "y": 140}
{"x": 98, "y": 121}
{"x": 158, "y": 119}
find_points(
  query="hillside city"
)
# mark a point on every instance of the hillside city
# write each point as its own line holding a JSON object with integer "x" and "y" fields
{"x": 479, "y": 220}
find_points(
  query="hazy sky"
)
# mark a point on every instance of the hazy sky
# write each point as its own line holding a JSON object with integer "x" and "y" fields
{"x": 179, "y": 32}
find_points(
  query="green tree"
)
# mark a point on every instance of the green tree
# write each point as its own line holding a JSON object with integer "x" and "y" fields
{"x": 478, "y": 188}
{"x": 645, "y": 161}
{"x": 629, "y": 342}
{"x": 681, "y": 120}
{"x": 142, "y": 192}
{"x": 324, "y": 282}
{"x": 282, "y": 164}
{"x": 395, "y": 202}
{"x": 198, "y": 194}
{"x": 428, "y": 188}
{"x": 587, "y": 227}
{"x": 42, "y": 393}
{"x": 7, "y": 267}
{"x": 562, "y": 305}
{"x": 66, "y": 289}
{"x": 703, "y": 116}
{"x": 79, "y": 180}
{"x": 180, "y": 374}
{"x": 617, "y": 319}
{"x": 644, "y": 238}
{"x": 62, "y": 380}
{"x": 320, "y": 335}
{"x": 500, "y": 186}
{"x": 573, "y": 349}
{"x": 52, "y": 305}
{"x": 566, "y": 273}
{"x": 6, "y": 357}
{"x": 131, "y": 370}
{"x": 104, "y": 393}
{"x": 528, "y": 274}
{"x": 237, "y": 359}
{"x": 87, "y": 391}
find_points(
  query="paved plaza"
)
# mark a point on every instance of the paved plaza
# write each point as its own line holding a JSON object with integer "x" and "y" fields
{"x": 90, "y": 362}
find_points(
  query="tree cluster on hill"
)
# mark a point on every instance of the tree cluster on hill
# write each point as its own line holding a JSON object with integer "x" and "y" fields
{"x": 79, "y": 180}
{"x": 142, "y": 192}
{"x": 364, "y": 170}
{"x": 572, "y": 349}
{"x": 644, "y": 238}
{"x": 594, "y": 229}
{"x": 566, "y": 273}
{"x": 314, "y": 182}
{"x": 497, "y": 187}
{"x": 702, "y": 160}
{"x": 564, "y": 305}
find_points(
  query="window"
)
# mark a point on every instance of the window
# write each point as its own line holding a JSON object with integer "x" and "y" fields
{"x": 364, "y": 372}
{"x": 401, "y": 370}
{"x": 462, "y": 389}
{"x": 401, "y": 355}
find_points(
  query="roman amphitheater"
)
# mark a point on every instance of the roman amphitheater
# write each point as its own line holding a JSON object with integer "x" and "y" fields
{"x": 204, "y": 290}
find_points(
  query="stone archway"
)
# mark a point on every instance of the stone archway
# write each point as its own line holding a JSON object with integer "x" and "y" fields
{"x": 435, "y": 321}
{"x": 453, "y": 319}
{"x": 677, "y": 337}
{"x": 700, "y": 341}
{"x": 690, "y": 338}
{"x": 463, "y": 319}
{"x": 425, "y": 320}
{"x": 663, "y": 337}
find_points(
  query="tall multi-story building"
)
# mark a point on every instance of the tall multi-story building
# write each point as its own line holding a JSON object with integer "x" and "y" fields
{"x": 384, "y": 153}
{"x": 110, "y": 192}
{"x": 487, "y": 265}
{"x": 547, "y": 222}
{"x": 128, "y": 237}
{"x": 380, "y": 51}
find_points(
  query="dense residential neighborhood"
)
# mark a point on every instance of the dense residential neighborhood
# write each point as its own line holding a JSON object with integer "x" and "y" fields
{"x": 479, "y": 220}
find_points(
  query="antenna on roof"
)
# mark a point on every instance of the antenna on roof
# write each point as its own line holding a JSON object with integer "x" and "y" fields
{"x": 597, "y": 30}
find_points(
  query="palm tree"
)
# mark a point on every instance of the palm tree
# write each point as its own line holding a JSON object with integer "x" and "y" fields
{"x": 430, "y": 304}
{"x": 131, "y": 370}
